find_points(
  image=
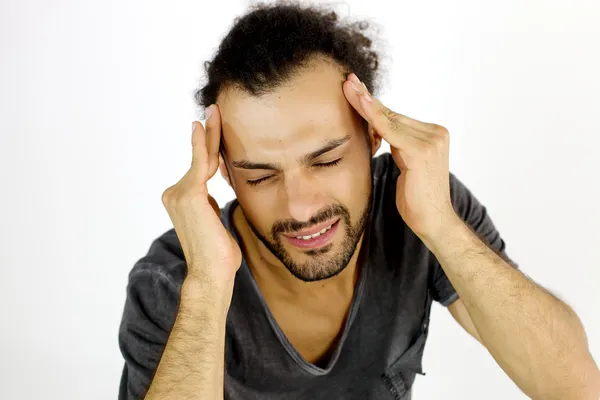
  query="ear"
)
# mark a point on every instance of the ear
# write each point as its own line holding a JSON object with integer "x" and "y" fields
{"x": 223, "y": 170}
{"x": 375, "y": 139}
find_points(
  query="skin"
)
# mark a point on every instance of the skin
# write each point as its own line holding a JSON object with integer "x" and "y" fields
{"x": 535, "y": 338}
{"x": 280, "y": 128}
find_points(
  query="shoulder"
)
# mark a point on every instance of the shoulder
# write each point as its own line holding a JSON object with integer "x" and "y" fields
{"x": 163, "y": 261}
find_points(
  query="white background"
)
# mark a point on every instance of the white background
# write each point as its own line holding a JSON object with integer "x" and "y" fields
{"x": 95, "y": 114}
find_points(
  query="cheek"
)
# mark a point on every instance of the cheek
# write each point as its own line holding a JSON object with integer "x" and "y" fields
{"x": 350, "y": 187}
{"x": 351, "y": 182}
{"x": 340, "y": 183}
{"x": 258, "y": 208}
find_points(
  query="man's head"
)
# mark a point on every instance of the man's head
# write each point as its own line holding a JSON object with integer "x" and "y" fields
{"x": 296, "y": 153}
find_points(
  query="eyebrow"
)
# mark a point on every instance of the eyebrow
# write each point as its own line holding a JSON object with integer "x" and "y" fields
{"x": 307, "y": 158}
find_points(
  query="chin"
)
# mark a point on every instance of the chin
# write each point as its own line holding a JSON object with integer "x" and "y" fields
{"x": 314, "y": 273}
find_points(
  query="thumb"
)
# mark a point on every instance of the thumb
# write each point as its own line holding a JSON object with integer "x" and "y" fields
{"x": 200, "y": 162}
{"x": 213, "y": 137}
{"x": 398, "y": 158}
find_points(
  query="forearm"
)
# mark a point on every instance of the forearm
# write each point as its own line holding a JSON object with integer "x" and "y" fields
{"x": 536, "y": 339}
{"x": 192, "y": 364}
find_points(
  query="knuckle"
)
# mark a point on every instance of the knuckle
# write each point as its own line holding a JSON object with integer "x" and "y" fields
{"x": 424, "y": 147}
{"x": 444, "y": 140}
{"x": 438, "y": 141}
{"x": 393, "y": 124}
{"x": 440, "y": 130}
{"x": 389, "y": 114}
{"x": 166, "y": 196}
{"x": 173, "y": 195}
{"x": 392, "y": 118}
{"x": 434, "y": 145}
{"x": 379, "y": 113}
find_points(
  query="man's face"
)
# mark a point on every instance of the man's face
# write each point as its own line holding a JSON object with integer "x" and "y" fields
{"x": 300, "y": 165}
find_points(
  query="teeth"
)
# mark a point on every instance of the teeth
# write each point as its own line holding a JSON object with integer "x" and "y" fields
{"x": 314, "y": 235}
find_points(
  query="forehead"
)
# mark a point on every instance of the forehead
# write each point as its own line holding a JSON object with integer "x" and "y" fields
{"x": 299, "y": 115}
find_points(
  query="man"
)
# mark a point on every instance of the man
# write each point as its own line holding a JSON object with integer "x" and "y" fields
{"x": 316, "y": 282}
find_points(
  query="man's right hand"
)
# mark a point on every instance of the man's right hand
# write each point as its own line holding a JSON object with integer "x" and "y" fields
{"x": 211, "y": 252}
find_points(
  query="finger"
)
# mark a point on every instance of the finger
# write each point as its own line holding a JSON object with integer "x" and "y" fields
{"x": 352, "y": 92}
{"x": 416, "y": 124}
{"x": 358, "y": 95}
{"x": 199, "y": 153}
{"x": 213, "y": 137}
{"x": 380, "y": 117}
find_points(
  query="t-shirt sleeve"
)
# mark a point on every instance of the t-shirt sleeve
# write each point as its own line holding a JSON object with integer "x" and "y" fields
{"x": 149, "y": 314}
{"x": 474, "y": 214}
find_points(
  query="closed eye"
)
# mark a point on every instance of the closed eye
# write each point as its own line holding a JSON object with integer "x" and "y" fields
{"x": 258, "y": 181}
{"x": 329, "y": 164}
{"x": 322, "y": 165}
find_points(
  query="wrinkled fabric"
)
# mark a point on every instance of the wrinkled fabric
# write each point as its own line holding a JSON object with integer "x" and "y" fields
{"x": 381, "y": 348}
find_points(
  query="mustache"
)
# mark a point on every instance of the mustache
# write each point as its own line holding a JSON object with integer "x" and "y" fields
{"x": 292, "y": 225}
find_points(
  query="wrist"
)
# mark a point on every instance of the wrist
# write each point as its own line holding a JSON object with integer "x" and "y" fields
{"x": 450, "y": 228}
{"x": 199, "y": 288}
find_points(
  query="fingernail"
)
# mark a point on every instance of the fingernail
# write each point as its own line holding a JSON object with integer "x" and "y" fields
{"x": 356, "y": 89}
{"x": 193, "y": 126}
{"x": 208, "y": 112}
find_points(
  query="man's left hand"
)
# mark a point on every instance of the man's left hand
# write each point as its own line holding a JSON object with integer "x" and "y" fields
{"x": 421, "y": 152}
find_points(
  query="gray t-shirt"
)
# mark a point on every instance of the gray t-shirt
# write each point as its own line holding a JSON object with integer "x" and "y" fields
{"x": 381, "y": 347}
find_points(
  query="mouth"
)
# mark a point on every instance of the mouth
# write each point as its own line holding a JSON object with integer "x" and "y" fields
{"x": 315, "y": 237}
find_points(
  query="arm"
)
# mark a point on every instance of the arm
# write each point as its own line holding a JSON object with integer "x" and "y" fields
{"x": 461, "y": 315}
{"x": 171, "y": 333}
{"x": 192, "y": 364}
{"x": 536, "y": 339}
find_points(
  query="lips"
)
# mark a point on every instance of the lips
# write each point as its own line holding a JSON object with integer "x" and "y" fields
{"x": 313, "y": 230}
{"x": 316, "y": 242}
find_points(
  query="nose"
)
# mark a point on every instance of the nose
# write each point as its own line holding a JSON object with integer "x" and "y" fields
{"x": 305, "y": 197}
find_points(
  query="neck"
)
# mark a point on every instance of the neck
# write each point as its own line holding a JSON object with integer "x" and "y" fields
{"x": 272, "y": 276}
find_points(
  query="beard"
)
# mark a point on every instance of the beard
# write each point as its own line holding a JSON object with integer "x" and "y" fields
{"x": 322, "y": 263}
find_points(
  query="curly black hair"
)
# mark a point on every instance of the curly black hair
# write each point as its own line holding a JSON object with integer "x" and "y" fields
{"x": 272, "y": 42}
